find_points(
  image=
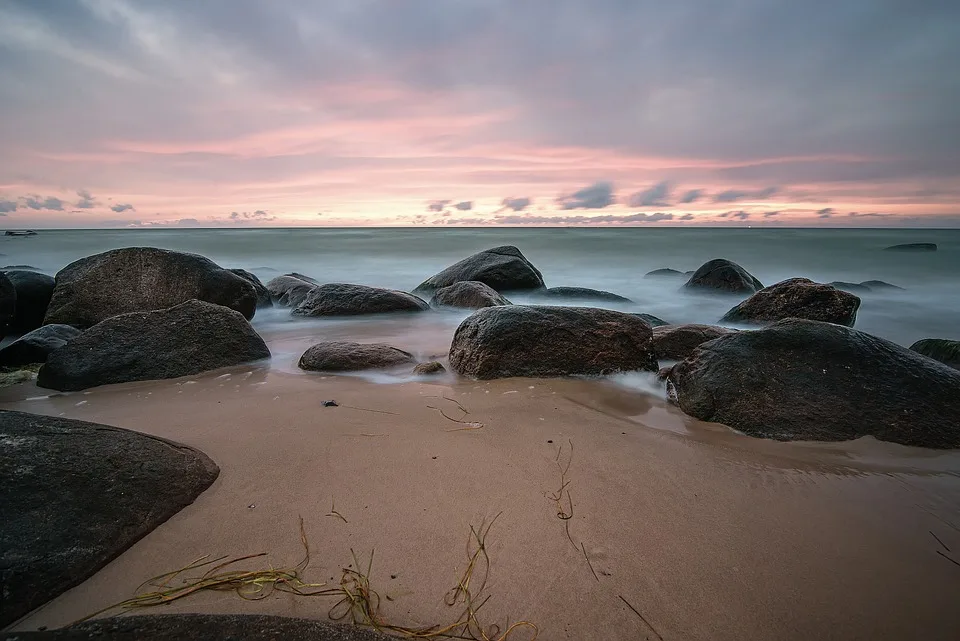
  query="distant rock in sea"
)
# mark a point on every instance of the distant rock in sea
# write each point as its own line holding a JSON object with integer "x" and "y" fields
{"x": 853, "y": 288}
{"x": 875, "y": 285}
{"x": 342, "y": 299}
{"x": 913, "y": 247}
{"x": 796, "y": 298}
{"x": 19, "y": 232}
{"x": 468, "y": 294}
{"x": 578, "y": 294}
{"x": 939, "y": 349}
{"x": 664, "y": 273}
{"x": 345, "y": 356}
{"x": 502, "y": 268}
{"x": 724, "y": 276}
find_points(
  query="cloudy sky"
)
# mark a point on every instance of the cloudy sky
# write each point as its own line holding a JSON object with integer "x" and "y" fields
{"x": 475, "y": 112}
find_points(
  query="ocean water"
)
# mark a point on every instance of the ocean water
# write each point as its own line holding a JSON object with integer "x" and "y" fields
{"x": 611, "y": 259}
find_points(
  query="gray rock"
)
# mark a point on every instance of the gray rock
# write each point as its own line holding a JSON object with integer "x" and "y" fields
{"x": 664, "y": 273}
{"x": 74, "y": 495}
{"x": 431, "y": 368}
{"x": 796, "y": 298}
{"x": 722, "y": 275}
{"x": 541, "y": 341}
{"x": 502, "y": 268}
{"x": 187, "y": 339}
{"x": 579, "y": 294}
{"x": 676, "y": 342}
{"x": 33, "y": 347}
{"x": 140, "y": 279}
{"x": 878, "y": 285}
{"x": 290, "y": 290}
{"x": 652, "y": 320}
{"x": 939, "y": 349}
{"x": 913, "y": 247}
{"x": 34, "y": 291}
{"x": 8, "y": 304}
{"x": 807, "y": 380}
{"x": 468, "y": 294}
{"x": 340, "y": 299}
{"x": 344, "y": 356}
{"x": 263, "y": 294}
{"x": 853, "y": 288}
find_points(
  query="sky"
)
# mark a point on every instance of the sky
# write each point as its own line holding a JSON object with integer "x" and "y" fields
{"x": 140, "y": 113}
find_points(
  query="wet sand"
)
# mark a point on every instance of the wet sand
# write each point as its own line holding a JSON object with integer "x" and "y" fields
{"x": 707, "y": 533}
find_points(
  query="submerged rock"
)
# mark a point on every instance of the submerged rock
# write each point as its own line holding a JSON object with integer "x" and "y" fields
{"x": 290, "y": 290}
{"x": 431, "y": 368}
{"x": 664, "y": 273}
{"x": 878, "y": 284}
{"x": 722, "y": 275}
{"x": 345, "y": 356}
{"x": 340, "y": 299}
{"x": 853, "y": 288}
{"x": 808, "y": 380}
{"x": 542, "y": 341}
{"x": 502, "y": 268}
{"x": 796, "y": 298}
{"x": 468, "y": 294}
{"x": 74, "y": 495}
{"x": 939, "y": 349}
{"x": 579, "y": 294}
{"x": 676, "y": 342}
{"x": 263, "y": 294}
{"x": 35, "y": 346}
{"x": 913, "y": 247}
{"x": 34, "y": 291}
{"x": 140, "y": 279}
{"x": 190, "y": 338}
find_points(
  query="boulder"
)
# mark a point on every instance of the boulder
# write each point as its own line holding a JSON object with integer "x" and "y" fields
{"x": 344, "y": 356}
{"x": 468, "y": 294}
{"x": 796, "y": 298}
{"x": 190, "y": 338}
{"x": 853, "y": 288}
{"x": 340, "y": 299}
{"x": 664, "y": 273}
{"x": 676, "y": 342}
{"x": 289, "y": 290}
{"x": 33, "y": 347}
{"x": 431, "y": 368}
{"x": 652, "y": 320}
{"x": 939, "y": 349}
{"x": 263, "y": 294}
{"x": 913, "y": 247}
{"x": 721, "y": 275}
{"x": 74, "y": 495}
{"x": 8, "y": 304}
{"x": 502, "y": 268}
{"x": 541, "y": 341}
{"x": 878, "y": 284}
{"x": 34, "y": 291}
{"x": 806, "y": 380}
{"x": 140, "y": 279}
{"x": 579, "y": 294}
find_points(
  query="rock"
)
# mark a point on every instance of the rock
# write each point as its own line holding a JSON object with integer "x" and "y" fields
{"x": 190, "y": 338}
{"x": 263, "y": 294}
{"x": 343, "y": 356}
{"x": 796, "y": 298}
{"x": 290, "y": 290}
{"x": 676, "y": 342}
{"x": 652, "y": 320}
{"x": 431, "y": 368}
{"x": 502, "y": 268}
{"x": 140, "y": 279}
{"x": 33, "y": 347}
{"x": 467, "y": 294}
{"x": 939, "y": 349}
{"x": 579, "y": 294}
{"x": 339, "y": 299}
{"x": 34, "y": 291}
{"x": 664, "y": 273}
{"x": 8, "y": 304}
{"x": 18, "y": 232}
{"x": 722, "y": 275}
{"x": 29, "y": 268}
{"x": 542, "y": 341}
{"x": 913, "y": 247}
{"x": 807, "y": 380}
{"x": 74, "y": 495}
{"x": 853, "y": 288}
{"x": 204, "y": 627}
{"x": 878, "y": 284}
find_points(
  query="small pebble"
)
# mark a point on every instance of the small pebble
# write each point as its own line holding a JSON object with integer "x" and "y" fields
{"x": 330, "y": 404}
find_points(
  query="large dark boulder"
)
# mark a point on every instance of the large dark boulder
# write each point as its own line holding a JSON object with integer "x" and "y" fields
{"x": 807, "y": 380}
{"x": 289, "y": 290}
{"x": 8, "y": 304}
{"x": 344, "y": 356}
{"x": 468, "y": 294}
{"x": 34, "y": 291}
{"x": 939, "y": 349}
{"x": 666, "y": 272}
{"x": 187, "y": 339}
{"x": 340, "y": 299}
{"x": 140, "y": 279}
{"x": 263, "y": 294}
{"x": 913, "y": 247}
{"x": 796, "y": 298}
{"x": 722, "y": 275}
{"x": 35, "y": 346}
{"x": 579, "y": 294}
{"x": 502, "y": 268}
{"x": 676, "y": 342}
{"x": 74, "y": 495}
{"x": 540, "y": 341}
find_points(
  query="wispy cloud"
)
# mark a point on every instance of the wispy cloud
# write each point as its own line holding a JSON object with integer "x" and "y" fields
{"x": 516, "y": 204}
{"x": 596, "y": 196}
{"x": 120, "y": 208}
{"x": 735, "y": 195}
{"x": 656, "y": 196}
{"x": 464, "y": 205}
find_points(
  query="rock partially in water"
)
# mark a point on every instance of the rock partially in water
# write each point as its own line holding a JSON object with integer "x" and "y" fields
{"x": 913, "y": 247}
{"x": 34, "y": 291}
{"x": 724, "y": 276}
{"x": 939, "y": 349}
{"x": 796, "y": 298}
{"x": 290, "y": 290}
{"x": 853, "y": 288}
{"x": 876, "y": 285}
{"x": 664, "y": 273}
{"x": 341, "y": 299}
{"x": 345, "y": 356}
{"x": 579, "y": 294}
{"x": 502, "y": 268}
{"x": 263, "y": 294}
{"x": 468, "y": 294}
{"x": 676, "y": 342}
{"x": 431, "y": 368}
{"x": 35, "y": 346}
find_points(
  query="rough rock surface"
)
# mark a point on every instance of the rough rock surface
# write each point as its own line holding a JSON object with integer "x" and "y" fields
{"x": 140, "y": 279}
{"x": 541, "y": 341}
{"x": 34, "y": 291}
{"x": 74, "y": 495}
{"x": 340, "y": 299}
{"x": 939, "y": 349}
{"x": 33, "y": 347}
{"x": 263, "y": 294}
{"x": 807, "y": 380}
{"x": 468, "y": 294}
{"x": 796, "y": 298}
{"x": 722, "y": 275}
{"x": 579, "y": 294}
{"x": 430, "y": 368}
{"x": 8, "y": 304}
{"x": 913, "y": 247}
{"x": 289, "y": 290}
{"x": 676, "y": 342}
{"x": 502, "y": 268}
{"x": 345, "y": 356}
{"x": 652, "y": 320}
{"x": 187, "y": 339}
{"x": 664, "y": 273}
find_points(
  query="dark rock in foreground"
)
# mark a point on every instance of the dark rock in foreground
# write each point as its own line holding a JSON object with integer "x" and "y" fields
{"x": 263, "y": 294}
{"x": 344, "y": 356}
{"x": 468, "y": 294}
{"x": 579, "y": 294}
{"x": 807, "y": 380}
{"x": 187, "y": 339}
{"x": 74, "y": 495}
{"x": 939, "y": 349}
{"x": 878, "y": 284}
{"x": 8, "y": 304}
{"x": 913, "y": 247}
{"x": 35, "y": 346}
{"x": 676, "y": 342}
{"x": 290, "y": 290}
{"x": 502, "y": 268}
{"x": 203, "y": 627}
{"x": 540, "y": 341}
{"x": 140, "y": 279}
{"x": 34, "y": 291}
{"x": 652, "y": 320}
{"x": 431, "y": 368}
{"x": 796, "y": 298}
{"x": 664, "y": 273}
{"x": 722, "y": 275}
{"x": 340, "y": 299}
